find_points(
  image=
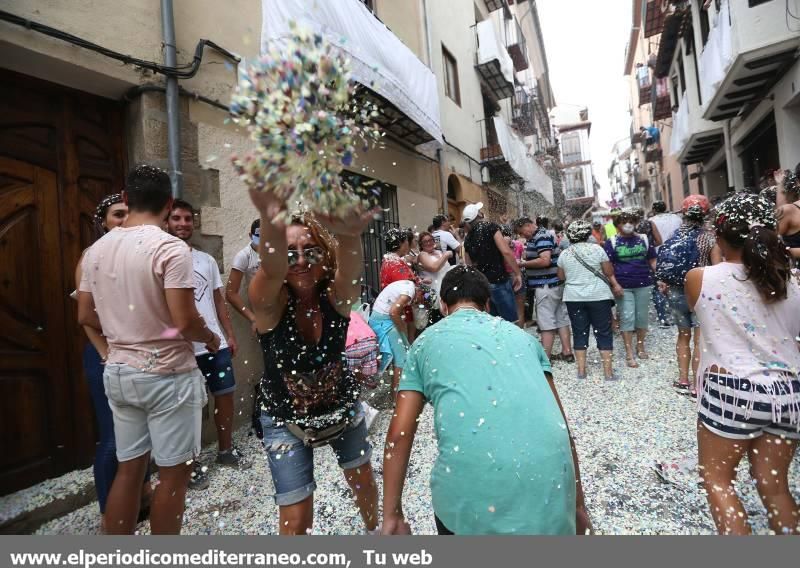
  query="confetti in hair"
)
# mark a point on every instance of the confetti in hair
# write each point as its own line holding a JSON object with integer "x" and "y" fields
{"x": 298, "y": 103}
{"x": 743, "y": 211}
{"x": 579, "y": 231}
{"x": 102, "y": 207}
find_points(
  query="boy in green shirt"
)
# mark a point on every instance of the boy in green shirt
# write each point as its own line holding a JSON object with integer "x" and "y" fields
{"x": 506, "y": 463}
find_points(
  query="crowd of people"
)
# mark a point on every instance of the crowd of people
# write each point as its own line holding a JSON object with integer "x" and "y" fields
{"x": 453, "y": 320}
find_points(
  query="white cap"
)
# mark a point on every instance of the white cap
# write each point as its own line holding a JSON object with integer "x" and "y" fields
{"x": 471, "y": 212}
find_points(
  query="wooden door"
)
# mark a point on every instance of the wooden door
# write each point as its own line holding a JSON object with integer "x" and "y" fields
{"x": 32, "y": 325}
{"x": 61, "y": 151}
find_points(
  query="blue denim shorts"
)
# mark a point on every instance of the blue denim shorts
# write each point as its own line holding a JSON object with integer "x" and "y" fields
{"x": 503, "y": 301}
{"x": 217, "y": 368}
{"x": 682, "y": 316}
{"x": 292, "y": 464}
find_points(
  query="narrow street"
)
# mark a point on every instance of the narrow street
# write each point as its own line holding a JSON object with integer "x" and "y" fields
{"x": 622, "y": 431}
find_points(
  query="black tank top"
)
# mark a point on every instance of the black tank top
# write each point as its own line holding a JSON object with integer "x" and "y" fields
{"x": 792, "y": 241}
{"x": 308, "y": 384}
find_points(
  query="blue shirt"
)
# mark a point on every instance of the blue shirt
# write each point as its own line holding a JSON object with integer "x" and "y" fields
{"x": 505, "y": 463}
{"x": 542, "y": 241}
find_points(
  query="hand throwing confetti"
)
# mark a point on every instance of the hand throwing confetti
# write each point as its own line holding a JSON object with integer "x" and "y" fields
{"x": 298, "y": 104}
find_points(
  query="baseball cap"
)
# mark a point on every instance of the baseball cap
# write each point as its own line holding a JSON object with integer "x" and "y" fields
{"x": 471, "y": 212}
{"x": 699, "y": 200}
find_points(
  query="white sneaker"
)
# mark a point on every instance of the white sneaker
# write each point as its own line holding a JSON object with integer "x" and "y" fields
{"x": 370, "y": 414}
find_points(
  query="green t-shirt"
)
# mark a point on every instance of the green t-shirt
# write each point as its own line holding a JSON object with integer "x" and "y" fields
{"x": 505, "y": 464}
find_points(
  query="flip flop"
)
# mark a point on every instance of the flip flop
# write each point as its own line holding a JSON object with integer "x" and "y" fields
{"x": 681, "y": 386}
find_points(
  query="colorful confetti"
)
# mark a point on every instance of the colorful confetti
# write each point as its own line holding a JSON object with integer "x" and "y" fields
{"x": 299, "y": 104}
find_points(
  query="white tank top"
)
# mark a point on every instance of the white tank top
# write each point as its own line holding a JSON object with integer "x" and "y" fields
{"x": 743, "y": 335}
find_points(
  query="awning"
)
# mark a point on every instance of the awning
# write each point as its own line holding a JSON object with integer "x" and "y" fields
{"x": 490, "y": 48}
{"x": 380, "y": 61}
{"x": 516, "y": 154}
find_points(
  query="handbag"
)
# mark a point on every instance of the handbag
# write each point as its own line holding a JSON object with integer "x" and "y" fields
{"x": 591, "y": 269}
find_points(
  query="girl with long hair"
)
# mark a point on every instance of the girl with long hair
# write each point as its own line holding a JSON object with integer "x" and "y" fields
{"x": 748, "y": 387}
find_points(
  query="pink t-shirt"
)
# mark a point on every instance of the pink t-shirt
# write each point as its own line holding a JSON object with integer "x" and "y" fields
{"x": 126, "y": 272}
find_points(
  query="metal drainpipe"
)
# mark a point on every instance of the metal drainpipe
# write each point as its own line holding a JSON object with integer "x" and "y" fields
{"x": 172, "y": 100}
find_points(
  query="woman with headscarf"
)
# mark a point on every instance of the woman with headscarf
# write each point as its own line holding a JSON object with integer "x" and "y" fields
{"x": 589, "y": 291}
{"x": 749, "y": 392}
{"x": 110, "y": 213}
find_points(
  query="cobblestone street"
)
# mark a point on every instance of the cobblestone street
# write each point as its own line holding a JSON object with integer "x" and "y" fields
{"x": 622, "y": 430}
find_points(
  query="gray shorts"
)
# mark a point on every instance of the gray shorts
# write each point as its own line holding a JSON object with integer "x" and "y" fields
{"x": 551, "y": 311}
{"x": 158, "y": 413}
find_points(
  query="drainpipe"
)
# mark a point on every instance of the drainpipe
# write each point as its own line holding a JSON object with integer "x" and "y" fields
{"x": 172, "y": 100}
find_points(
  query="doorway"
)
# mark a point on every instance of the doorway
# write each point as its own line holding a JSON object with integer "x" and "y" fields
{"x": 61, "y": 151}
{"x": 759, "y": 152}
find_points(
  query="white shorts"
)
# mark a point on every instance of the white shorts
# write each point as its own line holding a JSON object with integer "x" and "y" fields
{"x": 158, "y": 413}
{"x": 551, "y": 311}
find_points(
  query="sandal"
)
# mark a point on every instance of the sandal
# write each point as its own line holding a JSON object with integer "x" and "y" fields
{"x": 632, "y": 363}
{"x": 680, "y": 386}
{"x": 569, "y": 358}
{"x": 642, "y": 355}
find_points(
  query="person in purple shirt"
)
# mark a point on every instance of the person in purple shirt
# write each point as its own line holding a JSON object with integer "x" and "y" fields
{"x": 633, "y": 257}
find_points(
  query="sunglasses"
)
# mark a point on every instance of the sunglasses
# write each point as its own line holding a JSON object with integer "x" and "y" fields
{"x": 313, "y": 255}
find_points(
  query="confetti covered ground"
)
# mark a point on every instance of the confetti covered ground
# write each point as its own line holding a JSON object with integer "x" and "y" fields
{"x": 622, "y": 431}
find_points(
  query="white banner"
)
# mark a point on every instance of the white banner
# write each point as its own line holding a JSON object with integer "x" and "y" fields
{"x": 380, "y": 60}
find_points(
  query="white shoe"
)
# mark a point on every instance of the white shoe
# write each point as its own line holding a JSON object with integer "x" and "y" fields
{"x": 370, "y": 414}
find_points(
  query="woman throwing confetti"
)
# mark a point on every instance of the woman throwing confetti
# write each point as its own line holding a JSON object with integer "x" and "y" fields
{"x": 301, "y": 298}
{"x": 749, "y": 391}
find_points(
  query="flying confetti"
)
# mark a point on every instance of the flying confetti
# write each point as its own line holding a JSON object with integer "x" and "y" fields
{"x": 299, "y": 104}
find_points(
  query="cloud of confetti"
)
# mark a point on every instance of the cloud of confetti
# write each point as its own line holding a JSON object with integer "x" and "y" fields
{"x": 299, "y": 104}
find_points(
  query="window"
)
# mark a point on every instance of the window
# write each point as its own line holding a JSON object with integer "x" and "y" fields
{"x": 574, "y": 187}
{"x": 752, "y": 3}
{"x": 451, "y": 76}
{"x": 705, "y": 25}
{"x": 571, "y": 148}
{"x": 682, "y": 72}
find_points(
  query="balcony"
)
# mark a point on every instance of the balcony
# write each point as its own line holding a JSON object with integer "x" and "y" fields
{"x": 522, "y": 112}
{"x": 506, "y": 156}
{"x": 737, "y": 69}
{"x": 653, "y": 154}
{"x": 493, "y": 5}
{"x": 392, "y": 76}
{"x": 517, "y": 47}
{"x": 662, "y": 104}
{"x": 653, "y": 18}
{"x": 694, "y": 140}
{"x": 494, "y": 65}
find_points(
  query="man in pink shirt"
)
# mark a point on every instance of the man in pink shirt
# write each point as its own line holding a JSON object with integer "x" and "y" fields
{"x": 138, "y": 288}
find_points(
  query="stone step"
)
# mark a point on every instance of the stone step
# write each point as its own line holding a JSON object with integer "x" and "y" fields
{"x": 25, "y": 511}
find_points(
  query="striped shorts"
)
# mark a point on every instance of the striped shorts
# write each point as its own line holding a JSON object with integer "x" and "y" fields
{"x": 740, "y": 409}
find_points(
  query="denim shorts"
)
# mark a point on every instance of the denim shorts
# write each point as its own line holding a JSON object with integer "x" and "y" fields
{"x": 158, "y": 413}
{"x": 291, "y": 463}
{"x": 217, "y": 368}
{"x": 503, "y": 301}
{"x": 682, "y": 316}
